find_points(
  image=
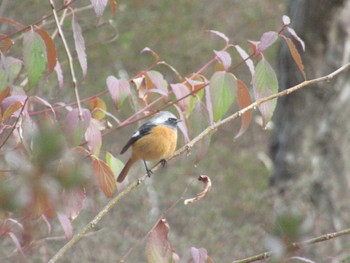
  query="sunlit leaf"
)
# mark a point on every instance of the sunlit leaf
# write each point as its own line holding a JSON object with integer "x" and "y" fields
{"x": 181, "y": 90}
{"x": 222, "y": 85}
{"x": 286, "y": 20}
{"x": 182, "y": 125}
{"x": 225, "y": 58}
{"x": 93, "y": 137}
{"x": 296, "y": 37}
{"x": 296, "y": 56}
{"x": 119, "y": 90}
{"x": 265, "y": 83}
{"x": 154, "y": 54}
{"x": 99, "y": 6}
{"x": 34, "y": 56}
{"x": 50, "y": 48}
{"x": 79, "y": 43}
{"x": 59, "y": 73}
{"x": 96, "y": 105}
{"x": 267, "y": 39}
{"x": 158, "y": 247}
{"x": 155, "y": 79}
{"x": 105, "y": 177}
{"x": 244, "y": 100}
{"x": 246, "y": 59}
{"x": 199, "y": 255}
{"x": 66, "y": 225}
{"x": 115, "y": 164}
{"x": 221, "y": 35}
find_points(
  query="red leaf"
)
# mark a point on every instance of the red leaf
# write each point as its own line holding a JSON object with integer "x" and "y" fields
{"x": 79, "y": 44}
{"x": 225, "y": 58}
{"x": 119, "y": 90}
{"x": 244, "y": 100}
{"x": 50, "y": 48}
{"x": 66, "y": 225}
{"x": 113, "y": 5}
{"x": 4, "y": 94}
{"x": 6, "y": 43}
{"x": 99, "y": 6}
{"x": 199, "y": 255}
{"x": 158, "y": 247}
{"x": 93, "y": 137}
{"x": 266, "y": 40}
{"x": 8, "y": 101}
{"x": 12, "y": 22}
{"x": 180, "y": 90}
{"x": 221, "y": 35}
{"x": 105, "y": 177}
{"x": 296, "y": 56}
{"x": 246, "y": 59}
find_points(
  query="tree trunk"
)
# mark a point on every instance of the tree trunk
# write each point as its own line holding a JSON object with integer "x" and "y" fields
{"x": 310, "y": 144}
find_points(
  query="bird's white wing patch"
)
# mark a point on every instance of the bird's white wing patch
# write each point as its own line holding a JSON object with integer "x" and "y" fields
{"x": 137, "y": 133}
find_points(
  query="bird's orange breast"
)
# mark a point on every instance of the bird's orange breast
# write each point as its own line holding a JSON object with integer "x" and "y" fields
{"x": 159, "y": 144}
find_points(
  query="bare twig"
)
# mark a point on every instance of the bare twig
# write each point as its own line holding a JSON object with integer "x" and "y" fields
{"x": 69, "y": 55}
{"x": 92, "y": 224}
{"x": 298, "y": 245}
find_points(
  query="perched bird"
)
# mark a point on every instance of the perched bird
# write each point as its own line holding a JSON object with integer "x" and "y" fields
{"x": 154, "y": 140}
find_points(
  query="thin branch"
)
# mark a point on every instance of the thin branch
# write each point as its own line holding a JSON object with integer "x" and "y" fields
{"x": 69, "y": 55}
{"x": 298, "y": 245}
{"x": 92, "y": 224}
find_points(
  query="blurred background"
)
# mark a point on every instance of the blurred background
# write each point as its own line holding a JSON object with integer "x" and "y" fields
{"x": 236, "y": 219}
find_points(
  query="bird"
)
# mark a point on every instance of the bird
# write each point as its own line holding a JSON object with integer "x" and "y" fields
{"x": 154, "y": 140}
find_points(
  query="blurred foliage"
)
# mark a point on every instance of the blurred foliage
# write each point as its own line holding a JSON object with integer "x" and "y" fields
{"x": 231, "y": 222}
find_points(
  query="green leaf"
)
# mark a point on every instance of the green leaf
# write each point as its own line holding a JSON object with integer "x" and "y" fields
{"x": 34, "y": 56}
{"x": 222, "y": 94}
{"x": 265, "y": 83}
{"x": 3, "y": 79}
{"x": 115, "y": 164}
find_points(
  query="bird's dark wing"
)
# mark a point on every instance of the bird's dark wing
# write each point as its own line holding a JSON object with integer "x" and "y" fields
{"x": 142, "y": 131}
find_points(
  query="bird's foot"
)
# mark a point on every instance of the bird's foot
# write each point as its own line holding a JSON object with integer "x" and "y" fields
{"x": 149, "y": 172}
{"x": 162, "y": 162}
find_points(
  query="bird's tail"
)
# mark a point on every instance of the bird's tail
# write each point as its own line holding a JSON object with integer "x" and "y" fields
{"x": 125, "y": 170}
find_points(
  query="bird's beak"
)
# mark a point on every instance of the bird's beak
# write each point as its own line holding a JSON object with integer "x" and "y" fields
{"x": 178, "y": 120}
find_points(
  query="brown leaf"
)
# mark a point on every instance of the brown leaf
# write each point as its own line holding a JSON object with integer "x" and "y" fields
{"x": 207, "y": 185}
{"x": 12, "y": 109}
{"x": 105, "y": 176}
{"x": 296, "y": 56}
{"x": 97, "y": 107}
{"x": 50, "y": 48}
{"x": 244, "y": 100}
{"x": 6, "y": 43}
{"x": 158, "y": 248}
{"x": 4, "y": 94}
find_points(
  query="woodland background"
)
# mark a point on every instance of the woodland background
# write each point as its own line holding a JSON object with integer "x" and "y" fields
{"x": 236, "y": 219}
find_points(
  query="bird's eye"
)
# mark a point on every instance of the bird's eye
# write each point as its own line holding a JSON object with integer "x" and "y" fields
{"x": 172, "y": 120}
